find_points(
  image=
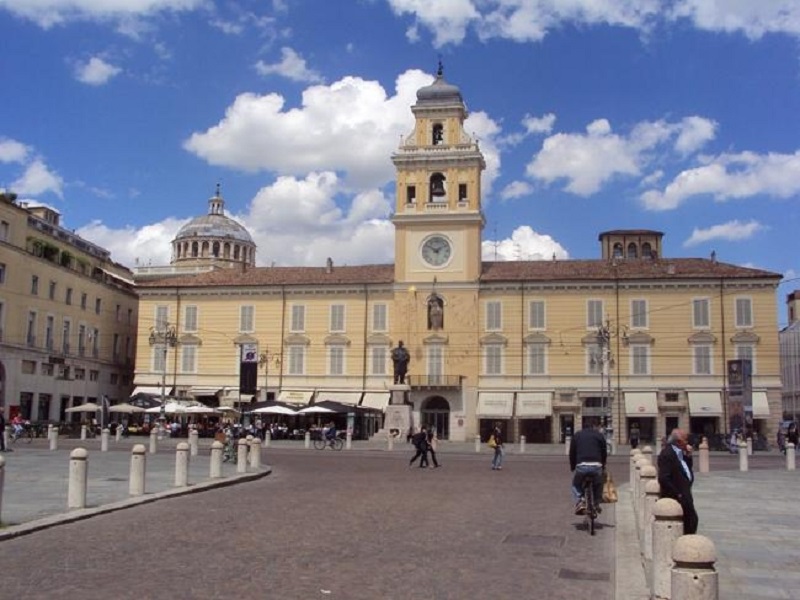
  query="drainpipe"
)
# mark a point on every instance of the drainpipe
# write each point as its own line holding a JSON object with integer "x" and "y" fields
{"x": 283, "y": 337}
{"x": 724, "y": 354}
{"x": 364, "y": 352}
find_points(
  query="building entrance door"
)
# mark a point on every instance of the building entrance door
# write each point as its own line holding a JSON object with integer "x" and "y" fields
{"x": 435, "y": 415}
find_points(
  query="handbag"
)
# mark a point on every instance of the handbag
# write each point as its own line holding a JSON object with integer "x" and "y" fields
{"x": 492, "y": 443}
{"x": 609, "y": 490}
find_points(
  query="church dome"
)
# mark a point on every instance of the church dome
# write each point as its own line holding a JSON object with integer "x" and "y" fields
{"x": 214, "y": 225}
{"x": 439, "y": 92}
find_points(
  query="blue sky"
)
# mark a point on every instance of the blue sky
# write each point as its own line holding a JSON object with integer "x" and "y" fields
{"x": 675, "y": 115}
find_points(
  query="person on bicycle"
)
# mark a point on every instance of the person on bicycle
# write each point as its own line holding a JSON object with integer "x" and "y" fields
{"x": 330, "y": 433}
{"x": 587, "y": 457}
{"x": 17, "y": 424}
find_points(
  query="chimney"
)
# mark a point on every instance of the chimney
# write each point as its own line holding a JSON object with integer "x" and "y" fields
{"x": 329, "y": 265}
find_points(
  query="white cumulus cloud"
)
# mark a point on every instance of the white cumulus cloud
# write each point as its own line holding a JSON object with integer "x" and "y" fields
{"x": 12, "y": 151}
{"x": 732, "y": 231}
{"x": 292, "y": 66}
{"x": 524, "y": 244}
{"x": 38, "y": 179}
{"x": 516, "y": 189}
{"x": 95, "y": 71}
{"x": 753, "y": 18}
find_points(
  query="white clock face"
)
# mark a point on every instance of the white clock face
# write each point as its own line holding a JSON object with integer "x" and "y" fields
{"x": 436, "y": 251}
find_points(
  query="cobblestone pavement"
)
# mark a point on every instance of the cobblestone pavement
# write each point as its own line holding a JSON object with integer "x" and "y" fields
{"x": 349, "y": 525}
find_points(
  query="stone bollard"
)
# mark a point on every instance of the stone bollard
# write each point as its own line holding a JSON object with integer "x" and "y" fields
{"x": 6, "y": 440}
{"x": 307, "y": 440}
{"x": 742, "y": 456}
{"x": 215, "y": 466}
{"x": 194, "y": 446}
{"x": 693, "y": 574}
{"x": 667, "y": 527}
{"x": 522, "y": 441}
{"x": 704, "y": 456}
{"x": 104, "y": 435}
{"x": 567, "y": 444}
{"x": 267, "y": 438}
{"x": 2, "y": 482}
{"x": 138, "y": 467}
{"x": 255, "y": 454}
{"x": 241, "y": 456}
{"x": 118, "y": 433}
{"x": 646, "y": 475}
{"x": 651, "y": 492}
{"x": 348, "y": 440}
{"x": 790, "y": 457}
{"x": 641, "y": 462}
{"x": 83, "y": 432}
{"x": 647, "y": 452}
{"x": 153, "y": 441}
{"x": 182, "y": 464}
{"x": 635, "y": 454}
{"x": 78, "y": 477}
{"x": 52, "y": 436}
{"x": 749, "y": 446}
{"x": 390, "y": 442}
{"x": 477, "y": 443}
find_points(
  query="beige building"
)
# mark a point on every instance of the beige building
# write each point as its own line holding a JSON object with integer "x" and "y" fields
{"x": 633, "y": 337}
{"x": 68, "y": 316}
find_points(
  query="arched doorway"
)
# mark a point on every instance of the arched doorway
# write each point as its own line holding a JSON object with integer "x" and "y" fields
{"x": 435, "y": 414}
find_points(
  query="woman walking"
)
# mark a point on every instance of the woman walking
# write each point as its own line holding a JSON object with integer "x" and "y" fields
{"x": 496, "y": 441}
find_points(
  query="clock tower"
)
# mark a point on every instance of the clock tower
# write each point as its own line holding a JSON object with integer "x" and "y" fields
{"x": 438, "y": 219}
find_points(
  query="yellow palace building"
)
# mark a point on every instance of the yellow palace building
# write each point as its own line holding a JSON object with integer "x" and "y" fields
{"x": 639, "y": 339}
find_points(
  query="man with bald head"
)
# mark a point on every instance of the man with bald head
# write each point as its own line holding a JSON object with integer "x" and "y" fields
{"x": 675, "y": 477}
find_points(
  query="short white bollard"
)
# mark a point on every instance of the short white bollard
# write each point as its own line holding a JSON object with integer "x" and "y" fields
{"x": 651, "y": 492}
{"x": 182, "y": 464}
{"x": 6, "y": 440}
{"x": 742, "y": 456}
{"x": 635, "y": 454}
{"x": 704, "y": 458}
{"x": 215, "y": 466}
{"x": 267, "y": 438}
{"x": 83, "y": 432}
{"x": 647, "y": 452}
{"x": 790, "y": 457}
{"x": 104, "y": 435}
{"x": 78, "y": 476}
{"x": 2, "y": 482}
{"x": 153, "y": 441}
{"x": 477, "y": 443}
{"x": 52, "y": 436}
{"x": 390, "y": 441}
{"x": 118, "y": 433}
{"x": 138, "y": 468}
{"x": 348, "y": 441}
{"x": 241, "y": 456}
{"x": 194, "y": 447}
{"x": 641, "y": 463}
{"x": 255, "y": 454}
{"x": 522, "y": 444}
{"x": 307, "y": 440}
{"x": 693, "y": 574}
{"x": 667, "y": 527}
{"x": 646, "y": 475}
{"x": 567, "y": 444}
{"x": 749, "y": 446}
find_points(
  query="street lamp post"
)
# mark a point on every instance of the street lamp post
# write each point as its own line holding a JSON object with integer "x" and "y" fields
{"x": 264, "y": 359}
{"x": 164, "y": 337}
{"x": 605, "y": 362}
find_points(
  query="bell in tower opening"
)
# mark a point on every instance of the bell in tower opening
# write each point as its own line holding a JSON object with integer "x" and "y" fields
{"x": 437, "y": 185}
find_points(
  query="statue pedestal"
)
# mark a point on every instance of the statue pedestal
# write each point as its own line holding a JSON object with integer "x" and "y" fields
{"x": 399, "y": 391}
{"x": 397, "y": 417}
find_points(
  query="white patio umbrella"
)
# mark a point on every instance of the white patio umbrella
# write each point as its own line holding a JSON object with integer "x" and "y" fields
{"x": 170, "y": 408}
{"x": 274, "y": 410}
{"x": 314, "y": 409}
{"x": 125, "y": 408}
{"x": 89, "y": 407}
{"x": 201, "y": 410}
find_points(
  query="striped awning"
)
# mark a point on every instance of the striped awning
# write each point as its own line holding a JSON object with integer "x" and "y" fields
{"x": 377, "y": 400}
{"x": 534, "y": 405}
{"x": 495, "y": 405}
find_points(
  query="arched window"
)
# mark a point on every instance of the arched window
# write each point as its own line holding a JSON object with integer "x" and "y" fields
{"x": 647, "y": 250}
{"x": 617, "y": 252}
{"x": 215, "y": 249}
{"x": 437, "y": 187}
{"x": 204, "y": 250}
{"x": 438, "y": 134}
{"x": 236, "y": 252}
{"x": 195, "y": 249}
{"x": 632, "y": 251}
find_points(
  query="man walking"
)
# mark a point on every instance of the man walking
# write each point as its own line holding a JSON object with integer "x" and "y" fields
{"x": 675, "y": 477}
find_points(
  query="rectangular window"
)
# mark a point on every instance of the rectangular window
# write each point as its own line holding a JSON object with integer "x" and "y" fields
{"x": 247, "y": 318}
{"x": 298, "y": 324}
{"x": 379, "y": 321}
{"x": 190, "y": 318}
{"x": 594, "y": 314}
{"x": 411, "y": 194}
{"x": 28, "y": 367}
{"x": 118, "y": 313}
{"x": 2, "y": 318}
{"x": 65, "y": 335}
{"x": 378, "y": 356}
{"x": 702, "y": 360}
{"x": 744, "y": 312}
{"x": 337, "y": 318}
{"x": 162, "y": 317}
{"x": 97, "y": 306}
{"x": 188, "y": 358}
{"x": 493, "y": 359}
{"x": 747, "y": 352}
{"x": 80, "y": 374}
{"x": 4, "y": 231}
{"x": 536, "y": 359}
{"x": 536, "y": 315}
{"x": 640, "y": 360}
{"x": 52, "y": 291}
{"x": 114, "y": 378}
{"x": 2, "y": 273}
{"x": 639, "y": 314}
{"x": 462, "y": 192}
{"x": 94, "y": 375}
{"x": 701, "y": 319}
{"x": 95, "y": 342}
{"x": 159, "y": 358}
{"x": 47, "y": 369}
{"x": 114, "y": 347}
{"x": 81, "y": 340}
{"x": 34, "y": 285}
{"x": 84, "y": 300}
{"x": 297, "y": 360}
{"x": 49, "y": 332}
{"x": 494, "y": 316}
{"x": 594, "y": 362}
{"x": 671, "y": 397}
{"x": 130, "y": 316}
{"x": 435, "y": 364}
{"x": 336, "y": 360}
{"x": 68, "y": 297}
{"x": 30, "y": 336}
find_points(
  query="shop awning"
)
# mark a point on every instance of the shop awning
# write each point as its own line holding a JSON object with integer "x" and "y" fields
{"x": 760, "y": 405}
{"x": 705, "y": 404}
{"x": 204, "y": 391}
{"x": 342, "y": 397}
{"x": 641, "y": 404}
{"x": 534, "y": 405}
{"x": 497, "y": 405}
{"x": 377, "y": 400}
{"x": 295, "y": 396}
{"x": 151, "y": 390}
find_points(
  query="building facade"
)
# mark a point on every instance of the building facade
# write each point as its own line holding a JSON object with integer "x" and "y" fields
{"x": 68, "y": 317}
{"x": 790, "y": 359}
{"x": 634, "y": 338}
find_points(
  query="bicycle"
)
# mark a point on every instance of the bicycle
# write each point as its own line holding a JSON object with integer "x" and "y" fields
{"x": 26, "y": 433}
{"x": 322, "y": 443}
{"x": 592, "y": 508}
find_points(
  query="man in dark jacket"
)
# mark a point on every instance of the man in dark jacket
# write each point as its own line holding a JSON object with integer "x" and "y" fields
{"x": 587, "y": 457}
{"x": 675, "y": 477}
{"x": 420, "y": 441}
